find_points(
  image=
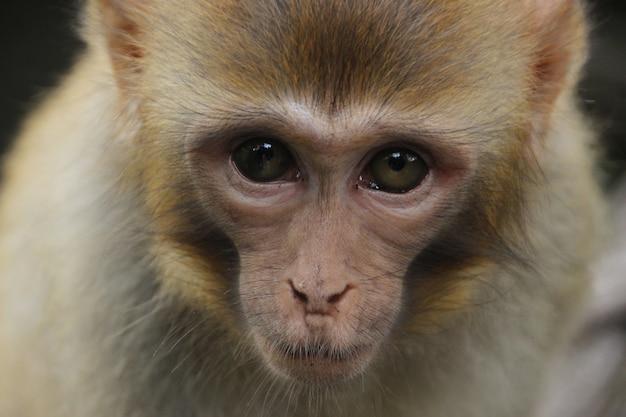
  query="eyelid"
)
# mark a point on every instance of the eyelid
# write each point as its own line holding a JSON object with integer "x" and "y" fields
{"x": 251, "y": 183}
{"x": 419, "y": 149}
{"x": 413, "y": 147}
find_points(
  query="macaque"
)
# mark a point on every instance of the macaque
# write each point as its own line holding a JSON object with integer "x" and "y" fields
{"x": 312, "y": 208}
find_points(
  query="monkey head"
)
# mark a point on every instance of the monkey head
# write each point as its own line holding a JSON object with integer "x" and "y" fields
{"x": 328, "y": 177}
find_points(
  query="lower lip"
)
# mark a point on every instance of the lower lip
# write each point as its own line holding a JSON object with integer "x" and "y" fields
{"x": 319, "y": 368}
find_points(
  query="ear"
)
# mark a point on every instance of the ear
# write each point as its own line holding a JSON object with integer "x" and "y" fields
{"x": 122, "y": 24}
{"x": 560, "y": 30}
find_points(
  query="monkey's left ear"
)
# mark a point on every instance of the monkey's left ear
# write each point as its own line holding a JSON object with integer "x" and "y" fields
{"x": 560, "y": 31}
{"x": 121, "y": 24}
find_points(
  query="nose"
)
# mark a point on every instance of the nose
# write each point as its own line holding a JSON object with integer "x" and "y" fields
{"x": 319, "y": 300}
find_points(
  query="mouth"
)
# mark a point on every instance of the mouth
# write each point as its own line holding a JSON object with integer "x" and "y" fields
{"x": 317, "y": 352}
{"x": 317, "y": 363}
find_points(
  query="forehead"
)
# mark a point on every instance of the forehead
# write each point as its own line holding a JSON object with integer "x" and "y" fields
{"x": 334, "y": 54}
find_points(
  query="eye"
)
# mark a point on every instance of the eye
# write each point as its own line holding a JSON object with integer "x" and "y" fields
{"x": 395, "y": 170}
{"x": 263, "y": 160}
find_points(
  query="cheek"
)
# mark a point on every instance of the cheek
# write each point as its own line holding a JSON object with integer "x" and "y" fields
{"x": 436, "y": 298}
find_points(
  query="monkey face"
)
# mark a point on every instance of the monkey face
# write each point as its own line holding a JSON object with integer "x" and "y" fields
{"x": 326, "y": 216}
{"x": 333, "y": 175}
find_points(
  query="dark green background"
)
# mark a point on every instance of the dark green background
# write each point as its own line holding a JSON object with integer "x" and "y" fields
{"x": 38, "y": 43}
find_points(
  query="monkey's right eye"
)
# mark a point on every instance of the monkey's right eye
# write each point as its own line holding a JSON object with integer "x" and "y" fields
{"x": 264, "y": 160}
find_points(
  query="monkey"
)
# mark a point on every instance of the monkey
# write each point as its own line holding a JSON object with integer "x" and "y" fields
{"x": 300, "y": 208}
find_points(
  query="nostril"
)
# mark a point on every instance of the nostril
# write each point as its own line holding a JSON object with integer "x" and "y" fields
{"x": 298, "y": 294}
{"x": 335, "y": 298}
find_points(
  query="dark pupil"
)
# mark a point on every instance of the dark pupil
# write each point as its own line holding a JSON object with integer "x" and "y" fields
{"x": 396, "y": 161}
{"x": 263, "y": 153}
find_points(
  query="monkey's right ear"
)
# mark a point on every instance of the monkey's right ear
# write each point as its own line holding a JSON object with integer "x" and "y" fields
{"x": 120, "y": 24}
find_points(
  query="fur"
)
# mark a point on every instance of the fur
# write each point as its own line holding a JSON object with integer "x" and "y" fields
{"x": 118, "y": 293}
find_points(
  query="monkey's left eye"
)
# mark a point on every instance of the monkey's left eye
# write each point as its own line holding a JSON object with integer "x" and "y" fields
{"x": 395, "y": 170}
{"x": 263, "y": 160}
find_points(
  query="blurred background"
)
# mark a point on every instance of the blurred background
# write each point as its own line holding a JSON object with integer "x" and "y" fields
{"x": 38, "y": 44}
